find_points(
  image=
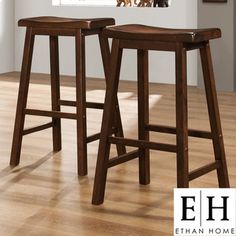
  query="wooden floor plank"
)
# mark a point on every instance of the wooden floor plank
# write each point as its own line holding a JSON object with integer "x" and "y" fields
{"x": 44, "y": 196}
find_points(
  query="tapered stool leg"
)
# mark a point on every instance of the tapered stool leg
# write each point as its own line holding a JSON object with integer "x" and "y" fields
{"x": 107, "y": 121}
{"x": 143, "y": 116}
{"x": 81, "y": 104}
{"x": 22, "y": 98}
{"x": 181, "y": 117}
{"x": 105, "y": 51}
{"x": 214, "y": 115}
{"x": 55, "y": 91}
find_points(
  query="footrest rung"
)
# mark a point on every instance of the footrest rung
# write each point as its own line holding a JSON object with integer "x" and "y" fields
{"x": 203, "y": 170}
{"x": 93, "y": 137}
{"x": 172, "y": 130}
{"x": 143, "y": 144}
{"x": 123, "y": 158}
{"x": 55, "y": 114}
{"x": 95, "y": 105}
{"x": 37, "y": 128}
{"x": 92, "y": 105}
{"x": 67, "y": 103}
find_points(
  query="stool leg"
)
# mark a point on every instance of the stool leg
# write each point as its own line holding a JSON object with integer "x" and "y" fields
{"x": 55, "y": 91}
{"x": 143, "y": 116}
{"x": 214, "y": 115}
{"x": 182, "y": 117}
{"x": 106, "y": 130}
{"x": 105, "y": 51}
{"x": 81, "y": 104}
{"x": 22, "y": 98}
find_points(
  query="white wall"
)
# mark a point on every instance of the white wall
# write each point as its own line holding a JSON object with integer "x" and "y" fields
{"x": 182, "y": 13}
{"x": 223, "y": 50}
{"x": 7, "y": 35}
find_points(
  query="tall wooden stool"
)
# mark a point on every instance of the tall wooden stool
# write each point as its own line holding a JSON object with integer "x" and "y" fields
{"x": 144, "y": 38}
{"x": 54, "y": 27}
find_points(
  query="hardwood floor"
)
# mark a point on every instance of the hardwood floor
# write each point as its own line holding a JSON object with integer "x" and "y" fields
{"x": 44, "y": 196}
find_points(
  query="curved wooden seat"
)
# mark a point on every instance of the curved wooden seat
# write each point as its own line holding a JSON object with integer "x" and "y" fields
{"x": 143, "y": 32}
{"x": 61, "y": 22}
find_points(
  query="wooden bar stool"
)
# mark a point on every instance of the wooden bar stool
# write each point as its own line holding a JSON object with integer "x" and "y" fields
{"x": 54, "y": 27}
{"x": 144, "y": 38}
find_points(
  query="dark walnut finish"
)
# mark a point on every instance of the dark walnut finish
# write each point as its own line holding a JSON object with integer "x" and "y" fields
{"x": 54, "y": 27}
{"x": 52, "y": 22}
{"x": 144, "y": 38}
